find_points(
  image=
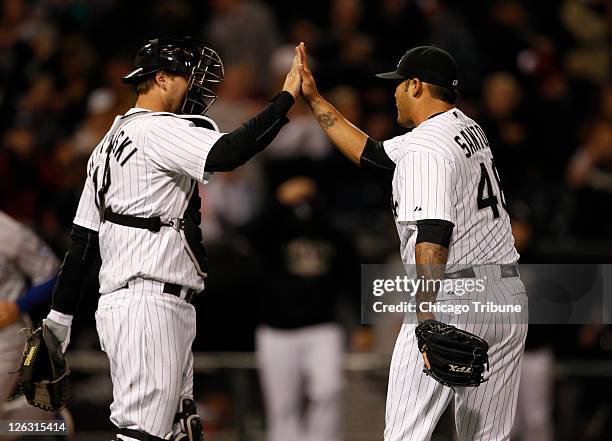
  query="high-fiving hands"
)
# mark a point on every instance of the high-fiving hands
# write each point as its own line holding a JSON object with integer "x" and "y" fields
{"x": 349, "y": 139}
{"x": 309, "y": 86}
{"x": 293, "y": 81}
{"x": 300, "y": 77}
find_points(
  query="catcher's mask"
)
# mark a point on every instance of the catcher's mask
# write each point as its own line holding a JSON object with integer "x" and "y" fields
{"x": 184, "y": 56}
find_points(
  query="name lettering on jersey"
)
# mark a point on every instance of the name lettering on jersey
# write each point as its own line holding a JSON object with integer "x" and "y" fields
{"x": 117, "y": 147}
{"x": 482, "y": 135}
{"x": 471, "y": 140}
{"x": 394, "y": 206}
{"x": 417, "y": 208}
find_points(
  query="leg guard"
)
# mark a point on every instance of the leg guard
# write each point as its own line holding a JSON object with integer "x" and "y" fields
{"x": 191, "y": 427}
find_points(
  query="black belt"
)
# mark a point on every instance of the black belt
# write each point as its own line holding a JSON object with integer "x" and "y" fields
{"x": 137, "y": 434}
{"x": 175, "y": 290}
{"x": 507, "y": 270}
{"x": 153, "y": 224}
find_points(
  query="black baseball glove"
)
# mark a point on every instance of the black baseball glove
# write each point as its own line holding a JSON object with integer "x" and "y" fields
{"x": 43, "y": 374}
{"x": 455, "y": 357}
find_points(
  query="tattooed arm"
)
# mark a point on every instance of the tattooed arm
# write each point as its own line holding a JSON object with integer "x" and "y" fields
{"x": 431, "y": 254}
{"x": 431, "y": 262}
{"x": 349, "y": 139}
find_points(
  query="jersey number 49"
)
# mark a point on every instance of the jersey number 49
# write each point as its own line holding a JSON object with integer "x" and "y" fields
{"x": 489, "y": 200}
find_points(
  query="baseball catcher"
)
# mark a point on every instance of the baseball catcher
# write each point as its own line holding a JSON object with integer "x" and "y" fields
{"x": 142, "y": 191}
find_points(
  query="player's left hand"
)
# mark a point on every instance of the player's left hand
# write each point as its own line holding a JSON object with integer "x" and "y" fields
{"x": 452, "y": 356}
{"x": 9, "y": 313}
{"x": 43, "y": 372}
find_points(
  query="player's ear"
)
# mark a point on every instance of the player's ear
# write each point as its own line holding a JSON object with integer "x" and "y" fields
{"x": 417, "y": 87}
{"x": 161, "y": 78}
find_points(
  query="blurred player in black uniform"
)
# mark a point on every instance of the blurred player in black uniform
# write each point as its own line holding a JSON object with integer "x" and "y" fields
{"x": 307, "y": 266}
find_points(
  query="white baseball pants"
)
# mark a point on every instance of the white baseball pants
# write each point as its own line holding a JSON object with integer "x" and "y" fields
{"x": 289, "y": 359}
{"x": 147, "y": 336}
{"x": 415, "y": 402}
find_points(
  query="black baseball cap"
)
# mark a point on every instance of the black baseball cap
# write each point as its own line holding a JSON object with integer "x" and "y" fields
{"x": 428, "y": 63}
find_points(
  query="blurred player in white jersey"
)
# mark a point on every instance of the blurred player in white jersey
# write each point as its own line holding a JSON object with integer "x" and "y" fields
{"x": 140, "y": 209}
{"x": 28, "y": 269}
{"x": 451, "y": 219}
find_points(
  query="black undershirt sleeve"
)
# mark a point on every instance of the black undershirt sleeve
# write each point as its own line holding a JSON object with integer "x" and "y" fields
{"x": 375, "y": 158}
{"x": 436, "y": 231}
{"x": 73, "y": 274}
{"x": 235, "y": 148}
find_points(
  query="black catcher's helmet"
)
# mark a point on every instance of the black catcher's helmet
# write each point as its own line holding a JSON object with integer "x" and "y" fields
{"x": 182, "y": 56}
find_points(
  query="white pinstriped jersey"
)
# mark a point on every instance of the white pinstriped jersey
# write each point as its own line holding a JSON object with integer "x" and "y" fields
{"x": 23, "y": 257}
{"x": 445, "y": 170}
{"x": 155, "y": 163}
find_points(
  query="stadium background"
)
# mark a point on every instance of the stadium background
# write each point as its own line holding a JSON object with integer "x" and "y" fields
{"x": 535, "y": 74}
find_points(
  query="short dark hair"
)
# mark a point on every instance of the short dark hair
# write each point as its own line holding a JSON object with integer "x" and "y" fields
{"x": 442, "y": 93}
{"x": 148, "y": 82}
{"x": 145, "y": 85}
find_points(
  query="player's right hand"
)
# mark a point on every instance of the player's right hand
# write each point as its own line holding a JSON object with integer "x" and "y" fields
{"x": 293, "y": 80}
{"x": 309, "y": 86}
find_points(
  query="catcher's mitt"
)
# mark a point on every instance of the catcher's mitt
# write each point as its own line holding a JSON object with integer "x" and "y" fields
{"x": 456, "y": 357}
{"x": 43, "y": 374}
